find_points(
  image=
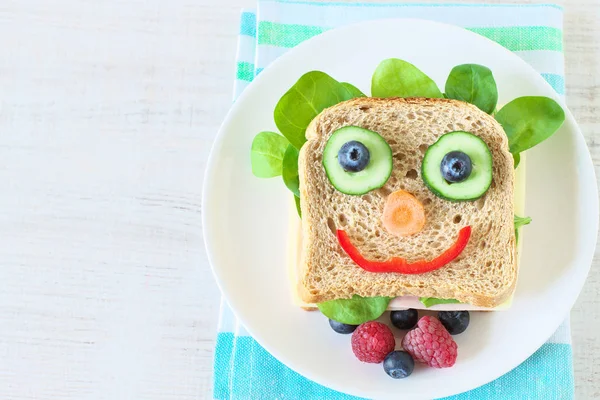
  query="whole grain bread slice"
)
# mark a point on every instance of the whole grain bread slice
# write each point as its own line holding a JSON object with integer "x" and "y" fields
{"x": 483, "y": 275}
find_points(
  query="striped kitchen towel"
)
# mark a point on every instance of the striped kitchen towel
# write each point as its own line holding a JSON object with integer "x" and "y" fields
{"x": 242, "y": 368}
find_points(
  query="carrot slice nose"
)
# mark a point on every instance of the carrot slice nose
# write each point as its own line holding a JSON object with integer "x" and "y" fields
{"x": 403, "y": 214}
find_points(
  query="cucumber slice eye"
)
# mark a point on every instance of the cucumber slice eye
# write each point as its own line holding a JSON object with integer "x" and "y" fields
{"x": 370, "y": 177}
{"x": 479, "y": 178}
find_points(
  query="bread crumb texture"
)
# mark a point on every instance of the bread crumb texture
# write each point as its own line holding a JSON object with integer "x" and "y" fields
{"x": 483, "y": 275}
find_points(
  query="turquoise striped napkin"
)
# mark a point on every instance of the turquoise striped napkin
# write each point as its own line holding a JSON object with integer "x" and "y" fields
{"x": 242, "y": 368}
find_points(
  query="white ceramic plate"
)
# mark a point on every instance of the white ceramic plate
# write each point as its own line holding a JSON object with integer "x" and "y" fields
{"x": 245, "y": 218}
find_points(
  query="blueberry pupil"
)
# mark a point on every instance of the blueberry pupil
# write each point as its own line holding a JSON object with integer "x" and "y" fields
{"x": 353, "y": 156}
{"x": 456, "y": 166}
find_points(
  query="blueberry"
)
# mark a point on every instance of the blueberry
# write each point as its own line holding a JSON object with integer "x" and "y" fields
{"x": 456, "y": 166}
{"x": 342, "y": 328}
{"x": 404, "y": 319}
{"x": 354, "y": 156}
{"x": 454, "y": 321}
{"x": 398, "y": 364}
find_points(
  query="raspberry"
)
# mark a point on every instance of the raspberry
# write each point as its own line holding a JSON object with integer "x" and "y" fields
{"x": 372, "y": 341}
{"x": 430, "y": 343}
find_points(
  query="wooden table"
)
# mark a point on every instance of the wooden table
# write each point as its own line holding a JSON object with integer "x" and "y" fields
{"x": 107, "y": 113}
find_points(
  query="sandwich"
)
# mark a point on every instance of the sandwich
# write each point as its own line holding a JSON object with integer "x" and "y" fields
{"x": 407, "y": 199}
{"x": 483, "y": 274}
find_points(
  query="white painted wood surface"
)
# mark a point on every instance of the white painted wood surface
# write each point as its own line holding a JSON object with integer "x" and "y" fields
{"x": 107, "y": 113}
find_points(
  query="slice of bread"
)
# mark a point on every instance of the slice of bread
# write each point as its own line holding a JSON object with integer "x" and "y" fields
{"x": 483, "y": 275}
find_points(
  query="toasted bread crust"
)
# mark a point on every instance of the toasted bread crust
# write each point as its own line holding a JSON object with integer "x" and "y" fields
{"x": 485, "y": 273}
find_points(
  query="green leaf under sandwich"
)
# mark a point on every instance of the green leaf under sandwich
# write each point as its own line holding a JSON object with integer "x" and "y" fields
{"x": 310, "y": 95}
{"x": 289, "y": 170}
{"x": 398, "y": 78}
{"x": 474, "y": 84}
{"x": 266, "y": 154}
{"x": 356, "y": 310}
{"x": 519, "y": 222}
{"x": 353, "y": 89}
{"x": 529, "y": 120}
{"x": 432, "y": 301}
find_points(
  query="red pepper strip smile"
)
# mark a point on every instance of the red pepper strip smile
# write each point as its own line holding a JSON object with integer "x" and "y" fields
{"x": 400, "y": 265}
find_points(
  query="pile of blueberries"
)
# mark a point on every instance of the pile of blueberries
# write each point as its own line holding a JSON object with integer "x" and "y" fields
{"x": 399, "y": 364}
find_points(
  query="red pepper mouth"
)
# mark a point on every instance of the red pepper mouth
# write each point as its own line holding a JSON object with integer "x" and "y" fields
{"x": 399, "y": 264}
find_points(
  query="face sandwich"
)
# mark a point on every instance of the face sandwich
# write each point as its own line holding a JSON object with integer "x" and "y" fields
{"x": 455, "y": 240}
{"x": 408, "y": 199}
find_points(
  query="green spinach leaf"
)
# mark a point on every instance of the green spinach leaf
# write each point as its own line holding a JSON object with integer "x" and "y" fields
{"x": 289, "y": 170}
{"x": 432, "y": 301}
{"x": 519, "y": 222}
{"x": 474, "y": 84}
{"x": 356, "y": 310}
{"x": 353, "y": 90}
{"x": 516, "y": 159}
{"x": 529, "y": 121}
{"x": 266, "y": 154}
{"x": 398, "y": 78}
{"x": 310, "y": 95}
{"x": 297, "y": 200}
